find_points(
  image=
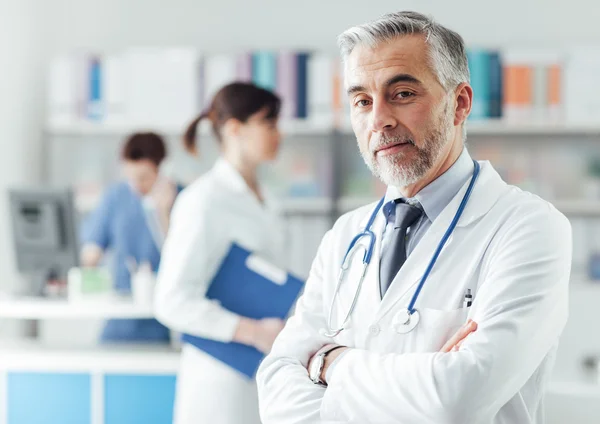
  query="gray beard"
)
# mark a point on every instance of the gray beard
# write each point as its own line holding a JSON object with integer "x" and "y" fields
{"x": 394, "y": 171}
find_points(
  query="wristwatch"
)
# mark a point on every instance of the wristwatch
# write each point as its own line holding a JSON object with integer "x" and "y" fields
{"x": 316, "y": 367}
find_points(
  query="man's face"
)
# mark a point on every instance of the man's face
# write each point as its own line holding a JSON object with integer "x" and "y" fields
{"x": 402, "y": 116}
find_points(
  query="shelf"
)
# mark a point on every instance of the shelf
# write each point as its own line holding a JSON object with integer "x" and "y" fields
{"x": 500, "y": 127}
{"x": 307, "y": 205}
{"x": 568, "y": 207}
{"x": 29, "y": 355}
{"x": 494, "y": 127}
{"x": 305, "y": 127}
{"x": 312, "y": 126}
{"x": 574, "y": 389}
{"x": 578, "y": 207}
{"x": 89, "y": 128}
{"x": 349, "y": 203}
{"x": 43, "y": 308}
{"x": 289, "y": 205}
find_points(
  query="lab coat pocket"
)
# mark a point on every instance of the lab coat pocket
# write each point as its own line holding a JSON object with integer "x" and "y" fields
{"x": 436, "y": 327}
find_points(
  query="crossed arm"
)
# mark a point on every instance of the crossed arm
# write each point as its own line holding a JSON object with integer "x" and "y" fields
{"x": 521, "y": 301}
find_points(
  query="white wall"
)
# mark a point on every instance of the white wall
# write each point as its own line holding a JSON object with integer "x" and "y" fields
{"x": 20, "y": 120}
{"x": 218, "y": 25}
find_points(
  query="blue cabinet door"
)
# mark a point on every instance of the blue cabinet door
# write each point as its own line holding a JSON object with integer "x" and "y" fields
{"x": 138, "y": 399}
{"x": 46, "y": 398}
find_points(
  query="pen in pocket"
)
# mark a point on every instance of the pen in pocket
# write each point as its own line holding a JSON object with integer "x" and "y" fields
{"x": 467, "y": 302}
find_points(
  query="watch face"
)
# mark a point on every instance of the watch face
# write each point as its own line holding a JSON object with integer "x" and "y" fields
{"x": 315, "y": 368}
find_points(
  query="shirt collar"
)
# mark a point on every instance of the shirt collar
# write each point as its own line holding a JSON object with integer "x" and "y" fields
{"x": 438, "y": 194}
{"x": 227, "y": 174}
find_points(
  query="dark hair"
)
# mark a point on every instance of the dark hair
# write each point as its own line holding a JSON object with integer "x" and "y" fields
{"x": 147, "y": 145}
{"x": 238, "y": 100}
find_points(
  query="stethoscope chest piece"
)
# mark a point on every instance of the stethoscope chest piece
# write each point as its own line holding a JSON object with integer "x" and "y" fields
{"x": 404, "y": 322}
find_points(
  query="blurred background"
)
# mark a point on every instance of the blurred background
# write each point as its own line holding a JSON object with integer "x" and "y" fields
{"x": 77, "y": 77}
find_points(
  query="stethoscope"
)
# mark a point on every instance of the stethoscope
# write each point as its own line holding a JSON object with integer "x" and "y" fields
{"x": 407, "y": 319}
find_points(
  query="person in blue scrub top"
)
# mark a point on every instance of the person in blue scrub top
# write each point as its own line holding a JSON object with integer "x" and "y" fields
{"x": 131, "y": 222}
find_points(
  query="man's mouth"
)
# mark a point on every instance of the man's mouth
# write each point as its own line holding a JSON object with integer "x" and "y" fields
{"x": 393, "y": 148}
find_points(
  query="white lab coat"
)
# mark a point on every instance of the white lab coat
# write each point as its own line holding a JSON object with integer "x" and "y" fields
{"x": 512, "y": 249}
{"x": 208, "y": 216}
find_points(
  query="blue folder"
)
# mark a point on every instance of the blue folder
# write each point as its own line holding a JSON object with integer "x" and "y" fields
{"x": 250, "y": 292}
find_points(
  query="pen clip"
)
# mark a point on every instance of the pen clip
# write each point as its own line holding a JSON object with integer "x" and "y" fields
{"x": 468, "y": 301}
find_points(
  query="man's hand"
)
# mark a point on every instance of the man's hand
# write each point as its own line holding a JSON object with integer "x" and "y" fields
{"x": 456, "y": 340}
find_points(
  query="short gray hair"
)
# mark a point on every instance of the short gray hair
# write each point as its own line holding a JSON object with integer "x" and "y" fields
{"x": 447, "y": 49}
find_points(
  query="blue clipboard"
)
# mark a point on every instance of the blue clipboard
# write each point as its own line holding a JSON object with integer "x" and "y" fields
{"x": 253, "y": 288}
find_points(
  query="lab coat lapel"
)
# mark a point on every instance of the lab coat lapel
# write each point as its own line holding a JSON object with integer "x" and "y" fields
{"x": 486, "y": 192}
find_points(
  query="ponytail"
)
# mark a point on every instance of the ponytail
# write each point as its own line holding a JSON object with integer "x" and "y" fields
{"x": 237, "y": 100}
{"x": 189, "y": 137}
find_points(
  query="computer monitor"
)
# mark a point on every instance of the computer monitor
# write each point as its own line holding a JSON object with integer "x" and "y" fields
{"x": 44, "y": 231}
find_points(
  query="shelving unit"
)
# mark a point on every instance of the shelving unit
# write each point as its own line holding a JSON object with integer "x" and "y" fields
{"x": 575, "y": 389}
{"x": 319, "y": 205}
{"x": 35, "y": 308}
{"x": 90, "y": 128}
{"x": 324, "y": 127}
{"x": 291, "y": 205}
{"x": 535, "y": 128}
{"x": 296, "y": 131}
{"x": 35, "y": 356}
{"x": 574, "y": 208}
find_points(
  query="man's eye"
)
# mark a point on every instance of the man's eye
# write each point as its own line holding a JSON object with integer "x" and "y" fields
{"x": 404, "y": 94}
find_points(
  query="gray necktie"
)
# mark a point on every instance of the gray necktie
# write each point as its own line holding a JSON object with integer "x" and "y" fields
{"x": 394, "y": 255}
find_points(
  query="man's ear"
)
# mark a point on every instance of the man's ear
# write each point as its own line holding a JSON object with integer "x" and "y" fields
{"x": 464, "y": 102}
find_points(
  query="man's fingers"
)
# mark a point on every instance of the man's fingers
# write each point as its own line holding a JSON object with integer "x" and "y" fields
{"x": 457, "y": 346}
{"x": 460, "y": 335}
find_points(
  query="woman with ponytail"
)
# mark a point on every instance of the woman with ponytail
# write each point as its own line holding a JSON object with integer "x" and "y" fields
{"x": 225, "y": 205}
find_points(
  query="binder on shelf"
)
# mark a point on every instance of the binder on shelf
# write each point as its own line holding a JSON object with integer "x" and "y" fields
{"x": 479, "y": 68}
{"x": 251, "y": 287}
{"x": 554, "y": 98}
{"x": 113, "y": 89}
{"x": 244, "y": 67}
{"x": 162, "y": 86}
{"x": 219, "y": 70}
{"x": 302, "y": 85}
{"x": 264, "y": 69}
{"x": 495, "y": 73}
{"x": 95, "y": 101}
{"x": 320, "y": 88}
{"x": 286, "y": 83}
{"x": 517, "y": 85}
{"x": 62, "y": 93}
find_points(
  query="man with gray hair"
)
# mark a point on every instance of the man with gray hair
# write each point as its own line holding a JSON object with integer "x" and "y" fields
{"x": 444, "y": 301}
